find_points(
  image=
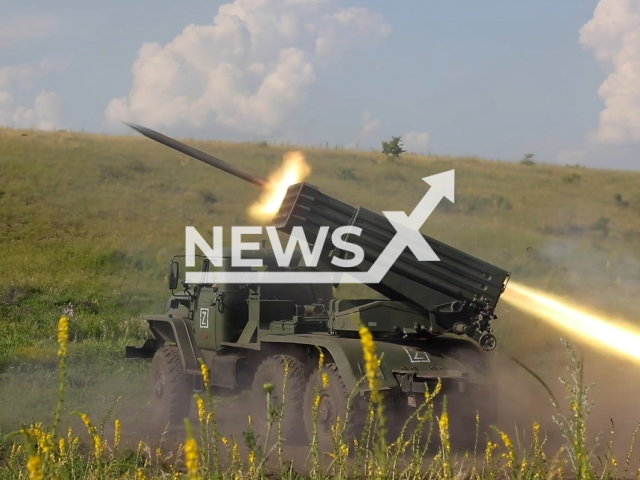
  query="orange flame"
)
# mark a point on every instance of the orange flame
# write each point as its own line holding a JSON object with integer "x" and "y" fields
{"x": 293, "y": 170}
{"x": 606, "y": 333}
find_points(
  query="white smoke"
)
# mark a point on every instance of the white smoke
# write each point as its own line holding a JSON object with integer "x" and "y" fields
{"x": 614, "y": 36}
{"x": 416, "y": 142}
{"x": 248, "y": 70}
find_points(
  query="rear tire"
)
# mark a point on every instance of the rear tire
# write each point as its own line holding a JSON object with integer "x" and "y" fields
{"x": 272, "y": 370}
{"x": 170, "y": 388}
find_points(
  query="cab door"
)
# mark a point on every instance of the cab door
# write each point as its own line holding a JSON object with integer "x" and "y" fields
{"x": 205, "y": 316}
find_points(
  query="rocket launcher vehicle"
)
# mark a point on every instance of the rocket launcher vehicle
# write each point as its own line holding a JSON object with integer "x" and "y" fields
{"x": 457, "y": 294}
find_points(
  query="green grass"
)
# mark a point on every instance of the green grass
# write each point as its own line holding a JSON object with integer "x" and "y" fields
{"x": 89, "y": 223}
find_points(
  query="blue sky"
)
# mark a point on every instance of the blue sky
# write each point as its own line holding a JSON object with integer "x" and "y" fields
{"x": 496, "y": 79}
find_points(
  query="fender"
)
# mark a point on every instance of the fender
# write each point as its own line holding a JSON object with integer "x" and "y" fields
{"x": 169, "y": 329}
{"x": 396, "y": 359}
{"x": 348, "y": 360}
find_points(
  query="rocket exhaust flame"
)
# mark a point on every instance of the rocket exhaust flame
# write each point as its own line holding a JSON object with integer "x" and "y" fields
{"x": 293, "y": 170}
{"x": 598, "y": 330}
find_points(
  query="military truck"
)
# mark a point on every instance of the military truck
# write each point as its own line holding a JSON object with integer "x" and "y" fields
{"x": 432, "y": 324}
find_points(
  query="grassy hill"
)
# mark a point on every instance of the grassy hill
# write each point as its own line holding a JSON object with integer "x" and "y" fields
{"x": 88, "y": 225}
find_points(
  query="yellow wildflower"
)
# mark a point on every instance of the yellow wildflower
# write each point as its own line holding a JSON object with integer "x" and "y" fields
{"x": 371, "y": 361}
{"x": 235, "y": 455}
{"x": 405, "y": 445}
{"x": 205, "y": 374}
{"x": 97, "y": 445}
{"x": 191, "y": 453}
{"x": 325, "y": 380}
{"x": 252, "y": 462}
{"x": 511, "y": 453}
{"x": 344, "y": 449}
{"x": 93, "y": 431}
{"x": 536, "y": 427}
{"x": 140, "y": 474}
{"x": 430, "y": 396}
{"x": 62, "y": 447}
{"x": 444, "y": 437}
{"x": 63, "y": 336}
{"x": 43, "y": 440}
{"x": 116, "y": 436}
{"x": 225, "y": 441}
{"x": 444, "y": 422}
{"x": 201, "y": 409}
{"x": 321, "y": 359}
{"x": 489, "y": 452}
{"x": 34, "y": 466}
{"x": 86, "y": 420}
{"x": 506, "y": 440}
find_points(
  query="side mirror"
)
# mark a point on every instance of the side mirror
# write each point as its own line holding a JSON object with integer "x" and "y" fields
{"x": 174, "y": 274}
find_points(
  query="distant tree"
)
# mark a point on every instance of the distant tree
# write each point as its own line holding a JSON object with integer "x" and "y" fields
{"x": 528, "y": 159}
{"x": 393, "y": 148}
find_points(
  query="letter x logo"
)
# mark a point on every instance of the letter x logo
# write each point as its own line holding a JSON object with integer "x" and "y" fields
{"x": 408, "y": 226}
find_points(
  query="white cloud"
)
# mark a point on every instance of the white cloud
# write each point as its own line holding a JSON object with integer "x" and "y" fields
{"x": 614, "y": 35}
{"x": 23, "y": 76}
{"x": 17, "y": 29}
{"x": 371, "y": 125}
{"x": 370, "y": 132}
{"x": 249, "y": 70}
{"x": 54, "y": 64}
{"x": 350, "y": 27}
{"x": 46, "y": 113}
{"x": 6, "y": 108}
{"x": 416, "y": 142}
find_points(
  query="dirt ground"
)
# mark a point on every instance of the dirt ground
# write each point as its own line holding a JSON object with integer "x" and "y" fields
{"x": 522, "y": 400}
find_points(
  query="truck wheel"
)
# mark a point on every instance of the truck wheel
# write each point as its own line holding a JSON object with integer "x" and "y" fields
{"x": 170, "y": 390}
{"x": 272, "y": 370}
{"x": 333, "y": 405}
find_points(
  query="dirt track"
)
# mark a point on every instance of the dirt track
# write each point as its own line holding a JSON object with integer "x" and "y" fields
{"x": 522, "y": 401}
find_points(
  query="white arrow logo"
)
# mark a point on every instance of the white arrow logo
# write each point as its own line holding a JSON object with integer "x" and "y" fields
{"x": 407, "y": 236}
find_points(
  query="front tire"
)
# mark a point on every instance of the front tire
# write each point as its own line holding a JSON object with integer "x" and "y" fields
{"x": 272, "y": 370}
{"x": 170, "y": 388}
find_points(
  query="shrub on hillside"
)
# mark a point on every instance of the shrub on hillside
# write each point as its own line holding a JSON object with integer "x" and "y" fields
{"x": 528, "y": 159}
